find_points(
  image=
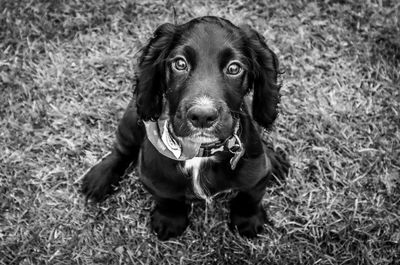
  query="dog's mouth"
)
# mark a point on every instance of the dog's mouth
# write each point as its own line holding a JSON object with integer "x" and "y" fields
{"x": 202, "y": 120}
{"x": 185, "y": 131}
{"x": 202, "y": 138}
{"x": 197, "y": 136}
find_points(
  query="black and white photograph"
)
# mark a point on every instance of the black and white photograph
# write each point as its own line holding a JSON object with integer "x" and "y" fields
{"x": 200, "y": 132}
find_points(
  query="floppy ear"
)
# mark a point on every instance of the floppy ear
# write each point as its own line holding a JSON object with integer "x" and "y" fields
{"x": 150, "y": 79}
{"x": 263, "y": 78}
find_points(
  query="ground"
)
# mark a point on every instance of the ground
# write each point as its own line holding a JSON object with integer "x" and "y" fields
{"x": 66, "y": 75}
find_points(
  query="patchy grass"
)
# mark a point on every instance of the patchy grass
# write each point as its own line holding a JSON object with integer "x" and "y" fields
{"x": 66, "y": 75}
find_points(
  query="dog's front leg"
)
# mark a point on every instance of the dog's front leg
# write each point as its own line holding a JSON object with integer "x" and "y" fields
{"x": 169, "y": 217}
{"x": 246, "y": 211}
{"x": 104, "y": 176}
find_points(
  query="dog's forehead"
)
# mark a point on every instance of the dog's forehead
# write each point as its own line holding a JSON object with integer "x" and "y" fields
{"x": 210, "y": 38}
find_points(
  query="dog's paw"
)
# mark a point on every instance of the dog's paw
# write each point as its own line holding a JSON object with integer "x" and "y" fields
{"x": 249, "y": 226}
{"x": 95, "y": 185}
{"x": 100, "y": 181}
{"x": 166, "y": 227}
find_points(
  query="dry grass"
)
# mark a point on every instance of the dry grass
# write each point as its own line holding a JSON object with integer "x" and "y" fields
{"x": 66, "y": 74}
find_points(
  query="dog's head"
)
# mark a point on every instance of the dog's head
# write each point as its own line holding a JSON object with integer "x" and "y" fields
{"x": 200, "y": 72}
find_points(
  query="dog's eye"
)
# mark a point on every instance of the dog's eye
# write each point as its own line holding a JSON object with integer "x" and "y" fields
{"x": 234, "y": 69}
{"x": 179, "y": 64}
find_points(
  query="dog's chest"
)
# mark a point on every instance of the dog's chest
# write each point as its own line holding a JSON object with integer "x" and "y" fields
{"x": 201, "y": 174}
{"x": 192, "y": 166}
{"x": 197, "y": 166}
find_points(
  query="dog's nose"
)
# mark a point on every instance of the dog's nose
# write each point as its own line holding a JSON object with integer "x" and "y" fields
{"x": 202, "y": 116}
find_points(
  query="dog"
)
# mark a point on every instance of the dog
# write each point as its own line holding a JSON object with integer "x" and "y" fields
{"x": 205, "y": 92}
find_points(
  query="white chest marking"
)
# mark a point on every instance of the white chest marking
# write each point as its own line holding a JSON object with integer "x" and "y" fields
{"x": 194, "y": 165}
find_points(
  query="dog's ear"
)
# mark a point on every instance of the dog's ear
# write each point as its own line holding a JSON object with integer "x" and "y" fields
{"x": 263, "y": 78}
{"x": 150, "y": 79}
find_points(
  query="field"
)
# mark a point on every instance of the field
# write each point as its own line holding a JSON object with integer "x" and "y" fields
{"x": 66, "y": 76}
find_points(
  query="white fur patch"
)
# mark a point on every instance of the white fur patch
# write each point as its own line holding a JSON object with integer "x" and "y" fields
{"x": 194, "y": 165}
{"x": 204, "y": 101}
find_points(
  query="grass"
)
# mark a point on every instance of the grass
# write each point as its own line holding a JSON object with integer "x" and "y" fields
{"x": 66, "y": 75}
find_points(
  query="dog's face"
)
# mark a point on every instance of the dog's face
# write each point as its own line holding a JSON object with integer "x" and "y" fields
{"x": 204, "y": 69}
{"x": 206, "y": 81}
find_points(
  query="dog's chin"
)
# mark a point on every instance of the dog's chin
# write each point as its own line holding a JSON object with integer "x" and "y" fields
{"x": 202, "y": 138}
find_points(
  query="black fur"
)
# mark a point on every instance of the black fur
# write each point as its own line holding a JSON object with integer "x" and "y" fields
{"x": 264, "y": 76}
{"x": 209, "y": 45}
{"x": 151, "y": 75}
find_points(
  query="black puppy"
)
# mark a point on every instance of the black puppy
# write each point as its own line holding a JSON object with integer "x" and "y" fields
{"x": 193, "y": 127}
